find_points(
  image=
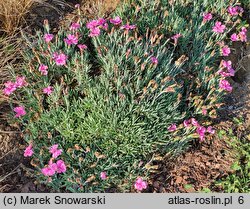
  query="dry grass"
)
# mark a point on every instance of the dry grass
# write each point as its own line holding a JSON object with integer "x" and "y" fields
{"x": 107, "y": 6}
{"x": 9, "y": 57}
{"x": 12, "y": 13}
{"x": 98, "y": 8}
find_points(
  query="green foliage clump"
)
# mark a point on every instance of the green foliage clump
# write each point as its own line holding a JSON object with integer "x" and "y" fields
{"x": 111, "y": 105}
{"x": 239, "y": 180}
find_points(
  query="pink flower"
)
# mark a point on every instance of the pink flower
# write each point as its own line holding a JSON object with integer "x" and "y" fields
{"x": 55, "y": 151}
{"x": 231, "y": 71}
{"x": 233, "y": 10}
{"x": 77, "y": 5}
{"x": 60, "y": 59}
{"x": 116, "y": 21}
{"x": 10, "y": 87}
{"x": 207, "y": 16}
{"x": 92, "y": 24}
{"x": 154, "y": 60}
{"x": 225, "y": 50}
{"x": 53, "y": 165}
{"x": 224, "y": 74}
{"x": 20, "y": 111}
{"x": 53, "y": 168}
{"x": 218, "y": 27}
{"x": 95, "y": 25}
{"x": 53, "y": 148}
{"x": 28, "y": 152}
{"x": 234, "y": 37}
{"x": 243, "y": 29}
{"x": 82, "y": 46}
{"x": 140, "y": 184}
{"x": 128, "y": 27}
{"x": 210, "y": 130}
{"x": 194, "y": 122}
{"x": 50, "y": 170}
{"x": 226, "y": 64}
{"x": 243, "y": 35}
{"x": 103, "y": 175}
{"x": 67, "y": 41}
{"x": 48, "y": 90}
{"x": 176, "y": 37}
{"x": 105, "y": 26}
{"x": 61, "y": 167}
{"x": 172, "y": 127}
{"x": 71, "y": 39}
{"x": 186, "y": 123}
{"x": 48, "y": 37}
{"x": 94, "y": 32}
{"x": 204, "y": 111}
{"x": 240, "y": 9}
{"x": 43, "y": 69}
{"x": 75, "y": 26}
{"x": 224, "y": 84}
{"x": 201, "y": 131}
{"x": 101, "y": 21}
{"x": 20, "y": 82}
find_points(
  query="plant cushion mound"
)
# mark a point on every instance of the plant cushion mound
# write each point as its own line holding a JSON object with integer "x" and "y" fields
{"x": 102, "y": 98}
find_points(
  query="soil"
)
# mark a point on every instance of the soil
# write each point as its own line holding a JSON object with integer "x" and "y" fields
{"x": 200, "y": 167}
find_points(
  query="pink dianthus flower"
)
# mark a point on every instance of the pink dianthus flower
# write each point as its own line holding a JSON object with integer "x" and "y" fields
{"x": 43, "y": 69}
{"x": 103, "y": 175}
{"x": 82, "y": 46}
{"x": 207, "y": 16}
{"x": 20, "y": 111}
{"x": 210, "y": 130}
{"x": 116, "y": 20}
{"x": 201, "y": 131}
{"x": 28, "y": 152}
{"x": 234, "y": 37}
{"x": 61, "y": 167}
{"x": 172, "y": 127}
{"x": 10, "y": 87}
{"x": 48, "y": 37}
{"x": 154, "y": 60}
{"x": 225, "y": 50}
{"x": 20, "y": 82}
{"x": 55, "y": 151}
{"x": 74, "y": 26}
{"x": 94, "y": 32}
{"x": 128, "y": 27}
{"x": 140, "y": 184}
{"x": 218, "y": 27}
{"x": 71, "y": 39}
{"x": 225, "y": 85}
{"x": 48, "y": 90}
{"x": 60, "y": 59}
{"x": 50, "y": 169}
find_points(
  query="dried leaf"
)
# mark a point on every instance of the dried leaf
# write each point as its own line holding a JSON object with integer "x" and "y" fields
{"x": 181, "y": 60}
{"x": 91, "y": 178}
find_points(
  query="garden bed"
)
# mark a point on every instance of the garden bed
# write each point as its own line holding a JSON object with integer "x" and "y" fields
{"x": 208, "y": 158}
